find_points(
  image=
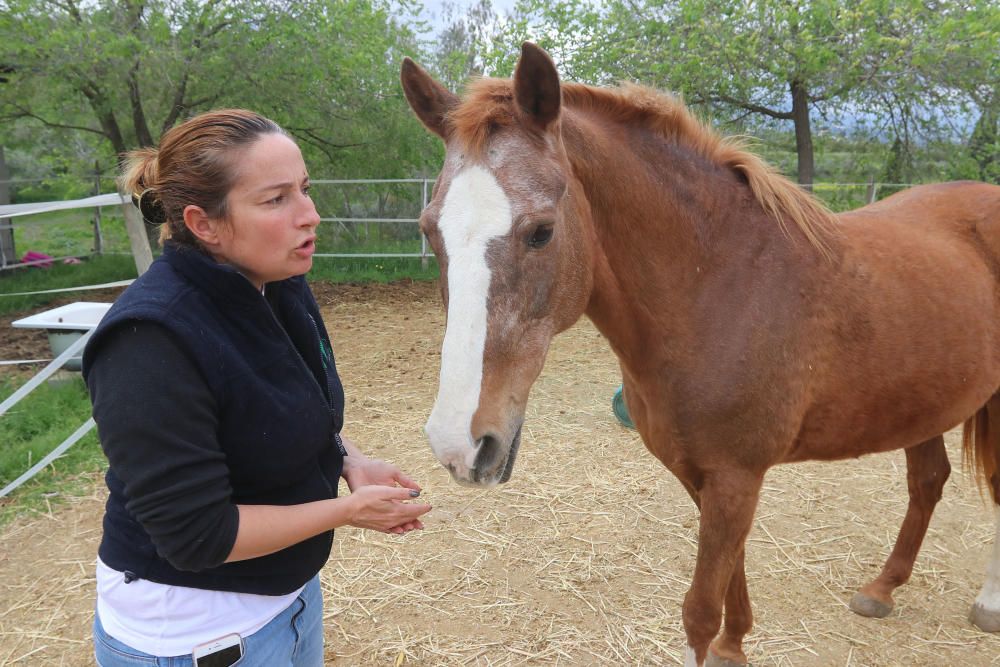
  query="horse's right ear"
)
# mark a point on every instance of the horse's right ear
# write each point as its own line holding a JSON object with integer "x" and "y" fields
{"x": 429, "y": 99}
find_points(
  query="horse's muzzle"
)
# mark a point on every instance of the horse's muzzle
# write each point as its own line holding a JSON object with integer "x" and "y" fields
{"x": 494, "y": 462}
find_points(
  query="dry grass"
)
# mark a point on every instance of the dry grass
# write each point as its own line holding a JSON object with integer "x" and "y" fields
{"x": 583, "y": 558}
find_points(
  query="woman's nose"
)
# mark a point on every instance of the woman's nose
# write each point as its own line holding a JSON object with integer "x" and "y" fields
{"x": 309, "y": 215}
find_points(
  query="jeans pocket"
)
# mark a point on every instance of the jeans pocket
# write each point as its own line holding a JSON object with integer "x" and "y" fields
{"x": 110, "y": 652}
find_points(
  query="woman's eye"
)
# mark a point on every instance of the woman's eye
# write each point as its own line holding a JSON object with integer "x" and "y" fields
{"x": 540, "y": 236}
{"x": 276, "y": 200}
{"x": 306, "y": 190}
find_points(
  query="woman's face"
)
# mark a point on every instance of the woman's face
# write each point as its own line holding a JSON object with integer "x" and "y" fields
{"x": 270, "y": 233}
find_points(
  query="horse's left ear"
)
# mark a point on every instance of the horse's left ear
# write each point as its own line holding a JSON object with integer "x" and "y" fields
{"x": 536, "y": 87}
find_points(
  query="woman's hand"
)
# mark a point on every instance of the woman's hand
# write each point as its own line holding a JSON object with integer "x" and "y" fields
{"x": 382, "y": 508}
{"x": 362, "y": 471}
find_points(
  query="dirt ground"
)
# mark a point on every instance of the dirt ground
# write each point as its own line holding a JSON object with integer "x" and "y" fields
{"x": 583, "y": 558}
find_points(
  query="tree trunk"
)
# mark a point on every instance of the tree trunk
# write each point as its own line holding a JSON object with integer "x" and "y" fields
{"x": 803, "y": 133}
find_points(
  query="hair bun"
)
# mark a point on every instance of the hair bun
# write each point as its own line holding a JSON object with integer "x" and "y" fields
{"x": 150, "y": 207}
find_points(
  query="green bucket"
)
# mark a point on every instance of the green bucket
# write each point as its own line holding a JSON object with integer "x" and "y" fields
{"x": 620, "y": 409}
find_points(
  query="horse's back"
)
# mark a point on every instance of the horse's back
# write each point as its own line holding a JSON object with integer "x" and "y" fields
{"x": 911, "y": 318}
{"x": 961, "y": 202}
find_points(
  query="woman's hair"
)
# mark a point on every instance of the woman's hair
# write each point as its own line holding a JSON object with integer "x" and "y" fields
{"x": 195, "y": 163}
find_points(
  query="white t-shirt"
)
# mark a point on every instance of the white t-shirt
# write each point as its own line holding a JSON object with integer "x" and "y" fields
{"x": 165, "y": 620}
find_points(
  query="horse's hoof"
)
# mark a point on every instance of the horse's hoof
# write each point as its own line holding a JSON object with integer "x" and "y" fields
{"x": 863, "y": 605}
{"x": 987, "y": 620}
{"x": 715, "y": 661}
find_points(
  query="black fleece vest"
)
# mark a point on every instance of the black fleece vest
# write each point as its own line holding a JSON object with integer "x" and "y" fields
{"x": 271, "y": 370}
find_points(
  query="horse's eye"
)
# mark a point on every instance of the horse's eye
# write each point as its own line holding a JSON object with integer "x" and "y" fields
{"x": 540, "y": 236}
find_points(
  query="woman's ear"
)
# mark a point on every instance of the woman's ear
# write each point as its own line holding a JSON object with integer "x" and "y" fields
{"x": 204, "y": 228}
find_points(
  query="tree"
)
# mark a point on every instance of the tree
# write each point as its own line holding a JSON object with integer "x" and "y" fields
{"x": 456, "y": 55}
{"x": 122, "y": 72}
{"x": 775, "y": 60}
{"x": 984, "y": 145}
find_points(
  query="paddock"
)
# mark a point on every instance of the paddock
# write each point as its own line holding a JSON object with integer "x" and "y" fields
{"x": 583, "y": 558}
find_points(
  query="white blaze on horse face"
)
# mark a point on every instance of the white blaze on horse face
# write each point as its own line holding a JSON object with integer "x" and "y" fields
{"x": 989, "y": 596}
{"x": 475, "y": 211}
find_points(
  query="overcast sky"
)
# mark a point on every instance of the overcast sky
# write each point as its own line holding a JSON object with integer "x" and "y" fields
{"x": 434, "y": 9}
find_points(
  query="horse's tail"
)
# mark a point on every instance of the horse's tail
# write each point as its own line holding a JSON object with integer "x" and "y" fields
{"x": 981, "y": 446}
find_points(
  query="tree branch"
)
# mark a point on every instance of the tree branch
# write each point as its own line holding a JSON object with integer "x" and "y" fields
{"x": 24, "y": 113}
{"x": 749, "y": 106}
{"x": 142, "y": 133}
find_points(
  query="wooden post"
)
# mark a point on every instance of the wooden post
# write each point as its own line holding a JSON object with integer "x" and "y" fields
{"x": 137, "y": 236}
{"x": 98, "y": 236}
{"x": 872, "y": 189}
{"x": 8, "y": 255}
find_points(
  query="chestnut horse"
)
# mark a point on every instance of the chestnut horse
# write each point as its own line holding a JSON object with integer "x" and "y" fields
{"x": 753, "y": 327}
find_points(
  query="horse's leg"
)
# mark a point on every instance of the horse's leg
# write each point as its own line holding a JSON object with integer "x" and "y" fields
{"x": 728, "y": 501}
{"x": 727, "y": 649}
{"x": 927, "y": 469}
{"x": 985, "y": 612}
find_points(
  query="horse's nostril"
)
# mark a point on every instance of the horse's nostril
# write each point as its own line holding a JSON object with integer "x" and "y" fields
{"x": 490, "y": 453}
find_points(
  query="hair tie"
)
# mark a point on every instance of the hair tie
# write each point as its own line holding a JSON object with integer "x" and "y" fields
{"x": 152, "y": 210}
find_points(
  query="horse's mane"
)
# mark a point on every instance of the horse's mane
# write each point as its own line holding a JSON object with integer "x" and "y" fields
{"x": 489, "y": 103}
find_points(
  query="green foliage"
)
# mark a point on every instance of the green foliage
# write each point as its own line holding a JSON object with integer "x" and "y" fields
{"x": 984, "y": 145}
{"x": 908, "y": 65}
{"x": 100, "y": 78}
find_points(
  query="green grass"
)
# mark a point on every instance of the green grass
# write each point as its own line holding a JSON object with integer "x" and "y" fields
{"x": 376, "y": 269}
{"x": 33, "y": 428}
{"x": 93, "y": 271}
{"x": 62, "y": 233}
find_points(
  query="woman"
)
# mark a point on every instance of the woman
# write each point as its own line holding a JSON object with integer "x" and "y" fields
{"x": 219, "y": 408}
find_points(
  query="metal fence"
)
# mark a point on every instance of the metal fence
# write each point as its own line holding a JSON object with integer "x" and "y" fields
{"x": 363, "y": 218}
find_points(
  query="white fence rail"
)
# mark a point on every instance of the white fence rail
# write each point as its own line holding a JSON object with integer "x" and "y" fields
{"x": 331, "y": 197}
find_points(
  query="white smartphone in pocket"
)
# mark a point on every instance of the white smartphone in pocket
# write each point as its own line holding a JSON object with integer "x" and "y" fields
{"x": 222, "y": 652}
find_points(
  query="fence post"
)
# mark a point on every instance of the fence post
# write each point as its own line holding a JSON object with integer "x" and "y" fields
{"x": 8, "y": 255}
{"x": 423, "y": 237}
{"x": 98, "y": 236}
{"x": 872, "y": 189}
{"x": 137, "y": 238}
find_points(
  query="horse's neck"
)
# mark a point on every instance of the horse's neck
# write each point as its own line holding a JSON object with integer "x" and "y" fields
{"x": 663, "y": 217}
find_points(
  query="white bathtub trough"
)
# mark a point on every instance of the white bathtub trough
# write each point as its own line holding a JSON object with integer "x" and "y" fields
{"x": 65, "y": 325}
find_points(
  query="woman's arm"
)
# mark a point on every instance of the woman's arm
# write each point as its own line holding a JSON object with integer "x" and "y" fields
{"x": 264, "y": 529}
{"x": 157, "y": 419}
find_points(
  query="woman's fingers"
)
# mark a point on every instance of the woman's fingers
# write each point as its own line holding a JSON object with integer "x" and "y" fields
{"x": 385, "y": 508}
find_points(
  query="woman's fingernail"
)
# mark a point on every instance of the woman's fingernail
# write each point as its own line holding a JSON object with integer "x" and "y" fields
{"x": 414, "y": 493}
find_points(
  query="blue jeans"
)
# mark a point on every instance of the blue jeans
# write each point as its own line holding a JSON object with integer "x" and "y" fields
{"x": 293, "y": 638}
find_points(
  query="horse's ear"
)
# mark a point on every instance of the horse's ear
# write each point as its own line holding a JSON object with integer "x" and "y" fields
{"x": 429, "y": 99}
{"x": 536, "y": 87}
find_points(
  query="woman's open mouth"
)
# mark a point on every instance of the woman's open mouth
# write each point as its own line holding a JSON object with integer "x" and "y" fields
{"x": 307, "y": 248}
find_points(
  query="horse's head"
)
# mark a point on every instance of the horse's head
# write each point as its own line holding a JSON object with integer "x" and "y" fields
{"x": 507, "y": 224}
